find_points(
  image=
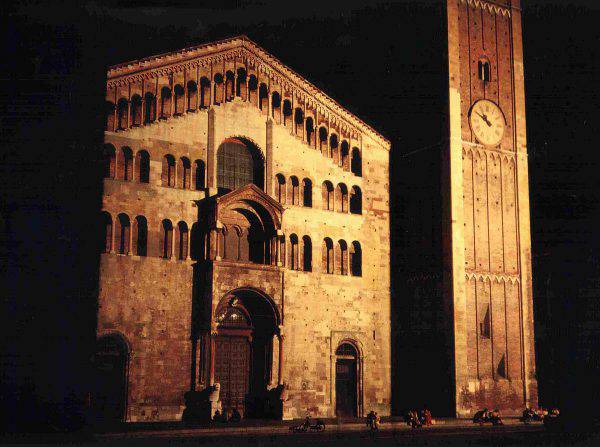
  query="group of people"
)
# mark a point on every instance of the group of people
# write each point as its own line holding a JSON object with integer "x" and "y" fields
{"x": 486, "y": 415}
{"x": 416, "y": 419}
{"x": 373, "y": 420}
{"x": 530, "y": 415}
{"x": 227, "y": 416}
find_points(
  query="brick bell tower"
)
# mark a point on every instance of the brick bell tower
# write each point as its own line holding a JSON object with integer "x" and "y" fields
{"x": 487, "y": 271}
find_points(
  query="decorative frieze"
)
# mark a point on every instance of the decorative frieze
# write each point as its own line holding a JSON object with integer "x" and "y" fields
{"x": 491, "y": 7}
{"x": 253, "y": 58}
{"x": 492, "y": 277}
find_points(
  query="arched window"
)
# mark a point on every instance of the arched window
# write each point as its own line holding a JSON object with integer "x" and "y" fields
{"x": 122, "y": 234}
{"x": 310, "y": 131}
{"x": 287, "y": 112}
{"x": 149, "y": 108}
{"x": 136, "y": 110}
{"x": 182, "y": 241}
{"x": 327, "y": 260}
{"x": 233, "y": 239}
{"x": 204, "y": 92}
{"x": 341, "y": 258}
{"x": 199, "y": 174}
{"x": 333, "y": 148}
{"x": 355, "y": 200}
{"x": 192, "y": 96}
{"x": 109, "y": 110}
{"x": 298, "y": 121}
{"x": 307, "y": 193}
{"x": 356, "y": 163}
{"x": 184, "y": 173}
{"x": 327, "y": 195}
{"x": 179, "y": 99}
{"x": 221, "y": 242}
{"x": 165, "y": 102}
{"x": 125, "y": 164}
{"x": 294, "y": 255}
{"x": 240, "y": 88}
{"x": 218, "y": 89}
{"x": 345, "y": 156}
{"x": 109, "y": 156}
{"x": 229, "y": 86}
{"x": 122, "y": 109}
{"x": 276, "y": 106}
{"x": 107, "y": 227}
{"x": 341, "y": 198}
{"x": 294, "y": 190}
{"x": 263, "y": 98}
{"x": 483, "y": 70}
{"x": 252, "y": 89}
{"x": 166, "y": 240}
{"x": 142, "y": 166}
{"x": 140, "y": 235}
{"x": 323, "y": 140}
{"x": 355, "y": 259}
{"x": 168, "y": 171}
{"x": 280, "y": 192}
{"x": 239, "y": 162}
{"x": 306, "y": 254}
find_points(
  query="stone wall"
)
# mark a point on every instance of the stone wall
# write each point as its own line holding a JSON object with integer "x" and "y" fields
{"x": 149, "y": 299}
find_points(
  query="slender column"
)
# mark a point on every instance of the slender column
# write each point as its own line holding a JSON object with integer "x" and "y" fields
{"x": 211, "y": 162}
{"x": 212, "y": 354}
{"x": 280, "y": 371}
{"x": 115, "y": 114}
{"x": 129, "y": 105}
{"x": 143, "y": 111}
{"x": 171, "y": 81}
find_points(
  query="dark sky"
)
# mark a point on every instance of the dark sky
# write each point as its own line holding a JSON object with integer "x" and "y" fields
{"x": 53, "y": 64}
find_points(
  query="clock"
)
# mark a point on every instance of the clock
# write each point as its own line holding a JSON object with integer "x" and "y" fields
{"x": 487, "y": 122}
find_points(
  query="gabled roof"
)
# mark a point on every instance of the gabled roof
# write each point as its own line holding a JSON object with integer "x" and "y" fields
{"x": 262, "y": 61}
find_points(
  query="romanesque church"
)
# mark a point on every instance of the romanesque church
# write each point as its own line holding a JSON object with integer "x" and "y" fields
{"x": 247, "y": 239}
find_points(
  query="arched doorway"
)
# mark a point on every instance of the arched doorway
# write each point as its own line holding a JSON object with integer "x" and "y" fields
{"x": 246, "y": 324}
{"x": 109, "y": 396}
{"x": 346, "y": 380}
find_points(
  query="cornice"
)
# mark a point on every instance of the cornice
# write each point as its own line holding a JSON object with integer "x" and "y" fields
{"x": 256, "y": 58}
{"x": 488, "y": 6}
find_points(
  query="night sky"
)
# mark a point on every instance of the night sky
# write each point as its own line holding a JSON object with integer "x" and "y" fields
{"x": 55, "y": 56}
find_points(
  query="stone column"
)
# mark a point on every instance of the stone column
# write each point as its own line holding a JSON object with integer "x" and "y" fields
{"x": 281, "y": 337}
{"x": 269, "y": 158}
{"x": 211, "y": 156}
{"x": 212, "y": 355}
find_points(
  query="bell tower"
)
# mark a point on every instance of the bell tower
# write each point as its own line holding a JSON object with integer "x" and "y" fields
{"x": 487, "y": 271}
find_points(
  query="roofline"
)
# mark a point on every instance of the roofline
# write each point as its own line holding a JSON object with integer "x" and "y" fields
{"x": 243, "y": 38}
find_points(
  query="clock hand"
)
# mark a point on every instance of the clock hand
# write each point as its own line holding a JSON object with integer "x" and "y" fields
{"x": 485, "y": 119}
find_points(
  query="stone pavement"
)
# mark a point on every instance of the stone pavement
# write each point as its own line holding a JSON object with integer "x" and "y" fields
{"x": 274, "y": 428}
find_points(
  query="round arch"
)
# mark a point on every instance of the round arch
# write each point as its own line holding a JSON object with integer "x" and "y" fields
{"x": 239, "y": 161}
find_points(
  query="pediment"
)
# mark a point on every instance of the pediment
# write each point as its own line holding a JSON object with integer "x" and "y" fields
{"x": 241, "y": 50}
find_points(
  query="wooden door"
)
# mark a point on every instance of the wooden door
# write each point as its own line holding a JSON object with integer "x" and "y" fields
{"x": 110, "y": 392}
{"x": 232, "y": 370}
{"x": 345, "y": 387}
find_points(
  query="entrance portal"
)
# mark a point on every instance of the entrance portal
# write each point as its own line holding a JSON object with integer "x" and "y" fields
{"x": 346, "y": 383}
{"x": 244, "y": 353}
{"x": 110, "y": 391}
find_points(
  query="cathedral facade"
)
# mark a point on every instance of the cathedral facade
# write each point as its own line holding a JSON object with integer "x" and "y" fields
{"x": 252, "y": 225}
{"x": 246, "y": 253}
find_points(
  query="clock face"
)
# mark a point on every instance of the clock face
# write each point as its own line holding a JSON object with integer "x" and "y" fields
{"x": 487, "y": 122}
